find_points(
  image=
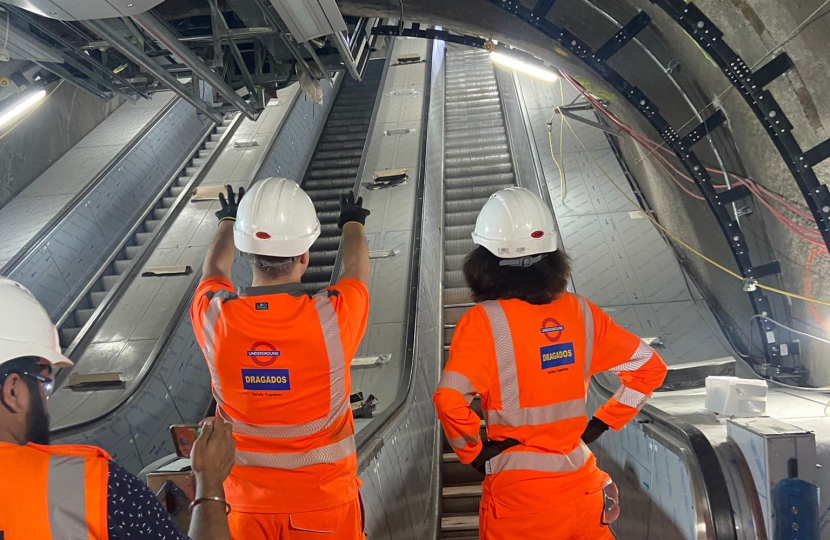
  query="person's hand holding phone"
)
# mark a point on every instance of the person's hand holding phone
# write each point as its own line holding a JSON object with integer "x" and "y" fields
{"x": 212, "y": 457}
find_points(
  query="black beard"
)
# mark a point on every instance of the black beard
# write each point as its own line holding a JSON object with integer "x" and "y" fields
{"x": 37, "y": 423}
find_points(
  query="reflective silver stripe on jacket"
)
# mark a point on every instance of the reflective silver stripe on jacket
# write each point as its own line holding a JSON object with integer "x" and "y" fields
{"x": 642, "y": 355}
{"x": 588, "y": 324}
{"x": 461, "y": 442}
{"x": 338, "y": 400}
{"x": 543, "y": 462}
{"x": 67, "y": 511}
{"x": 208, "y": 329}
{"x": 458, "y": 382}
{"x": 297, "y": 460}
{"x": 535, "y": 416}
{"x": 630, "y": 397}
{"x": 505, "y": 356}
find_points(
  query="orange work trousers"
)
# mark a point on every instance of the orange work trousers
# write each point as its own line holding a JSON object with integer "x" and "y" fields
{"x": 343, "y": 522}
{"x": 571, "y": 516}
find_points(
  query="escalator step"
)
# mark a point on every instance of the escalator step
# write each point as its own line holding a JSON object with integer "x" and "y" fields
{"x": 142, "y": 237}
{"x": 475, "y": 157}
{"x": 340, "y": 146}
{"x": 454, "y": 279}
{"x": 68, "y": 335}
{"x": 327, "y": 205}
{"x": 335, "y": 153}
{"x": 484, "y": 174}
{"x": 109, "y": 282}
{"x": 493, "y": 137}
{"x": 461, "y": 246}
{"x": 454, "y": 262}
{"x": 474, "y": 118}
{"x": 313, "y": 286}
{"x": 327, "y": 257}
{"x": 131, "y": 251}
{"x": 473, "y": 127}
{"x": 122, "y": 266}
{"x": 326, "y": 243}
{"x": 176, "y": 190}
{"x": 467, "y": 205}
{"x": 320, "y": 164}
{"x": 460, "y": 218}
{"x": 493, "y": 133}
{"x": 151, "y": 224}
{"x": 328, "y": 217}
{"x": 168, "y": 201}
{"x": 473, "y": 192}
{"x": 458, "y": 232}
{"x": 324, "y": 194}
{"x": 96, "y": 297}
{"x": 318, "y": 273}
{"x": 82, "y": 316}
{"x": 457, "y": 295}
{"x": 324, "y": 174}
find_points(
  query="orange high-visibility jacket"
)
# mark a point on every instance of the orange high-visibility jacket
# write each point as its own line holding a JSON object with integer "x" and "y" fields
{"x": 531, "y": 365}
{"x": 279, "y": 364}
{"x": 53, "y": 491}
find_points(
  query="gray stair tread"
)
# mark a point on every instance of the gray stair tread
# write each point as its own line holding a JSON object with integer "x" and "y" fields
{"x": 461, "y": 491}
{"x": 459, "y": 523}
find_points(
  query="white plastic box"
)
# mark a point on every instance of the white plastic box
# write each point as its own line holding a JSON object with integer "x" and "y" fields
{"x": 733, "y": 396}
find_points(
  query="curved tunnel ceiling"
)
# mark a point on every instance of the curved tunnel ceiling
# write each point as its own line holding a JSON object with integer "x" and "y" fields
{"x": 686, "y": 85}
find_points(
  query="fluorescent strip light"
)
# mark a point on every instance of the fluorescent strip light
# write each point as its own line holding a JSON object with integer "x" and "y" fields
{"x": 16, "y": 110}
{"x": 523, "y": 67}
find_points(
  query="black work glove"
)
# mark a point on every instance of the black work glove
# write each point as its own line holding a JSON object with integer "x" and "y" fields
{"x": 489, "y": 450}
{"x": 595, "y": 428}
{"x": 351, "y": 210}
{"x": 230, "y": 204}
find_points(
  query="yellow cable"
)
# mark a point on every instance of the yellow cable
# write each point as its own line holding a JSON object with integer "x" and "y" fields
{"x": 563, "y": 181}
{"x": 682, "y": 243}
{"x": 33, "y": 109}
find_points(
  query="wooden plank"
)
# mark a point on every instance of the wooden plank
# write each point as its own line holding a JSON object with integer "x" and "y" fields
{"x": 455, "y": 492}
{"x": 459, "y": 523}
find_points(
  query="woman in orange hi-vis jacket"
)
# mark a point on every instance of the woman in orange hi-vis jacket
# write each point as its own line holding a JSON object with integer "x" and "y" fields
{"x": 529, "y": 349}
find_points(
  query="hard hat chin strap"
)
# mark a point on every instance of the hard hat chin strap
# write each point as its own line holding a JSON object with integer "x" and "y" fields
{"x": 522, "y": 262}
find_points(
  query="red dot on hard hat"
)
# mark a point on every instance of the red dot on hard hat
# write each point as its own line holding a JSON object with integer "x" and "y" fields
{"x": 263, "y": 235}
{"x": 537, "y": 234}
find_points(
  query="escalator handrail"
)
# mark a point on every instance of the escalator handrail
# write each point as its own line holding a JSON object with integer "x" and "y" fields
{"x": 43, "y": 234}
{"x": 714, "y": 481}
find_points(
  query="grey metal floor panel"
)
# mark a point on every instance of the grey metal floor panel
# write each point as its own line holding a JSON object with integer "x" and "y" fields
{"x": 124, "y": 341}
{"x": 621, "y": 261}
{"x": 25, "y": 215}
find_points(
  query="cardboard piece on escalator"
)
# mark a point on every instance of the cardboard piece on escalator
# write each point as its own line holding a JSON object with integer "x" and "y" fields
{"x": 166, "y": 271}
{"x": 89, "y": 381}
{"x": 409, "y": 58}
{"x": 206, "y": 193}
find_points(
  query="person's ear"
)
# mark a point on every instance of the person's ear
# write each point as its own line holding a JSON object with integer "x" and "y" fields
{"x": 303, "y": 259}
{"x": 14, "y": 393}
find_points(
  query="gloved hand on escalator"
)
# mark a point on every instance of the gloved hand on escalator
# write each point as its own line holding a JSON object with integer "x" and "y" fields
{"x": 230, "y": 204}
{"x": 351, "y": 210}
{"x": 489, "y": 450}
{"x": 595, "y": 428}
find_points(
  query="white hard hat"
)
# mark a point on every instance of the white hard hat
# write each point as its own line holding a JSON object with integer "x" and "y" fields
{"x": 276, "y": 218}
{"x": 25, "y": 327}
{"x": 515, "y": 222}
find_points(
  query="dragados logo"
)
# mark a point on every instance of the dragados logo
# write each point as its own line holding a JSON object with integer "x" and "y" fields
{"x": 552, "y": 330}
{"x": 263, "y": 354}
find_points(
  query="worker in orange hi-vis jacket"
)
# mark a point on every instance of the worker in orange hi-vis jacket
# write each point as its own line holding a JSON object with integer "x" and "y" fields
{"x": 529, "y": 349}
{"x": 279, "y": 364}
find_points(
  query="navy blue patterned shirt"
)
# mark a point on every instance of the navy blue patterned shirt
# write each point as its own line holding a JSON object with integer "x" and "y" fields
{"x": 133, "y": 512}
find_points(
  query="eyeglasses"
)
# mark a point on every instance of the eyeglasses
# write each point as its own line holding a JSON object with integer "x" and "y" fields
{"x": 611, "y": 510}
{"x": 47, "y": 383}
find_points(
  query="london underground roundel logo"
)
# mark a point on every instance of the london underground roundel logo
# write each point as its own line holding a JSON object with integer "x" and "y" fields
{"x": 263, "y": 354}
{"x": 552, "y": 330}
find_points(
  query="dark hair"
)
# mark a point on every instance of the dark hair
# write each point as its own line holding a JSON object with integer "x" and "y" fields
{"x": 540, "y": 283}
{"x": 273, "y": 267}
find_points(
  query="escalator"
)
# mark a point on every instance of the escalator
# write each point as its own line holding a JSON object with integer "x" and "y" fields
{"x": 73, "y": 322}
{"x": 477, "y": 162}
{"x": 334, "y": 168}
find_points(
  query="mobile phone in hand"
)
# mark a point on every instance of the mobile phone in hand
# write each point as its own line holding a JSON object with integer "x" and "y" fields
{"x": 184, "y": 436}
